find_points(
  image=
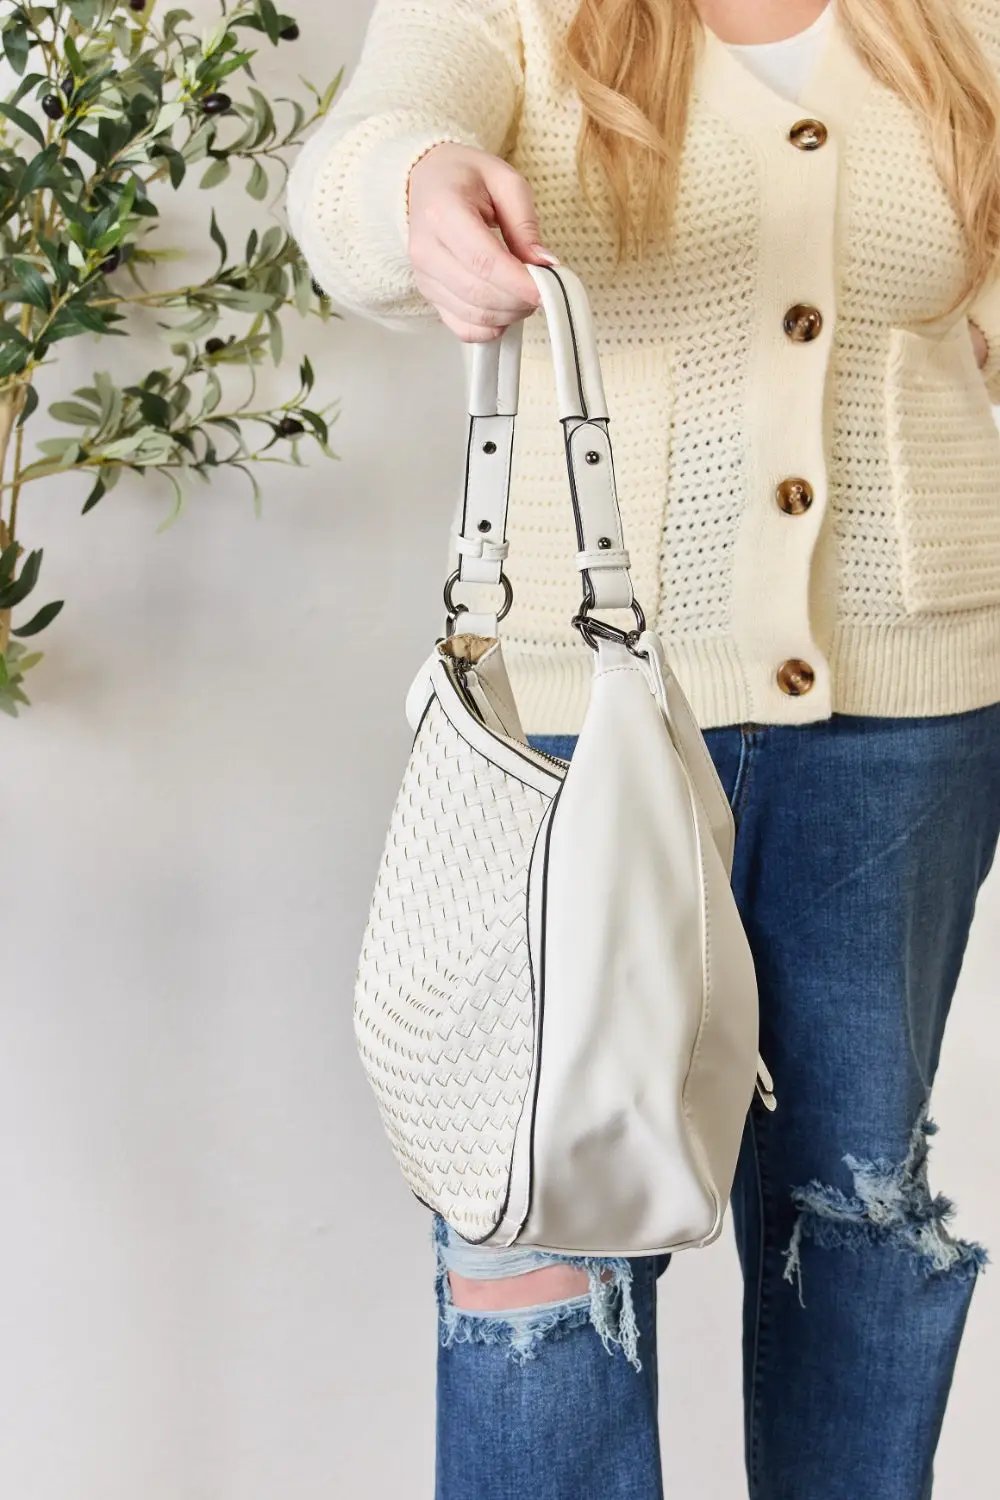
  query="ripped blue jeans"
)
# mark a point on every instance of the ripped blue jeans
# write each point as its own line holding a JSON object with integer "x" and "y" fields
{"x": 861, "y": 846}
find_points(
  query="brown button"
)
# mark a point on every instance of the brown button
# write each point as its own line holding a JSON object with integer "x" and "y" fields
{"x": 794, "y": 496}
{"x": 795, "y": 677}
{"x": 802, "y": 322}
{"x": 808, "y": 135}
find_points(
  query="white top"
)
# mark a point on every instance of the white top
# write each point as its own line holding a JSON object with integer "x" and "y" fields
{"x": 785, "y": 65}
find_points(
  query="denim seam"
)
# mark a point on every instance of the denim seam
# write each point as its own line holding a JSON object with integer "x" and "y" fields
{"x": 748, "y": 746}
{"x": 762, "y": 1324}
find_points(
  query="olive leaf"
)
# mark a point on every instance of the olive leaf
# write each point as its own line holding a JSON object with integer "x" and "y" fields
{"x": 111, "y": 108}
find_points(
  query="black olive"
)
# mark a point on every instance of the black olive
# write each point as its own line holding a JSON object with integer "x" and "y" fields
{"x": 68, "y": 85}
{"x": 216, "y": 104}
{"x": 289, "y": 33}
{"x": 111, "y": 262}
{"x": 137, "y": 4}
{"x": 52, "y": 105}
{"x": 214, "y": 346}
{"x": 289, "y": 427}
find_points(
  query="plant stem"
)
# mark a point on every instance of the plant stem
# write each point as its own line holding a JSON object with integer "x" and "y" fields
{"x": 8, "y": 416}
{"x": 9, "y": 407}
{"x": 15, "y": 493}
{"x": 88, "y": 465}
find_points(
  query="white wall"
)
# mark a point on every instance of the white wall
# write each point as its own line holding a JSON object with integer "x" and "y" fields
{"x": 214, "y": 1286}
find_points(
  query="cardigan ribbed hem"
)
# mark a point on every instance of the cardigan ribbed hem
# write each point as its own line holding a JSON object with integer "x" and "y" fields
{"x": 900, "y": 670}
{"x": 910, "y": 670}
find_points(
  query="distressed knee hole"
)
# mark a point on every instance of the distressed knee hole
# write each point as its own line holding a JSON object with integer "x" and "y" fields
{"x": 521, "y": 1299}
{"x": 892, "y": 1205}
{"x": 558, "y": 1283}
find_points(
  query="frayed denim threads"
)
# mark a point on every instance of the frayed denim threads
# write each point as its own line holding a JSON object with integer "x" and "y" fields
{"x": 607, "y": 1304}
{"x": 892, "y": 1205}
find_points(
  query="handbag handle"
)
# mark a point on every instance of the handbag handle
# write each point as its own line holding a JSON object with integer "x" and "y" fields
{"x": 481, "y": 541}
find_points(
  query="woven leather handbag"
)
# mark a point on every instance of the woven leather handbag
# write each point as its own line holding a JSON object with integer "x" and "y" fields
{"x": 556, "y": 1003}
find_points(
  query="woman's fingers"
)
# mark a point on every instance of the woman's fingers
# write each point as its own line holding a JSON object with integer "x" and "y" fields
{"x": 480, "y": 256}
{"x": 477, "y": 302}
{"x": 453, "y": 246}
{"x": 458, "y": 198}
{"x": 514, "y": 208}
{"x": 469, "y": 333}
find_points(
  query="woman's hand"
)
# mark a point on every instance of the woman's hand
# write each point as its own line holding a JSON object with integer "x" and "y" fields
{"x": 979, "y": 343}
{"x": 457, "y": 197}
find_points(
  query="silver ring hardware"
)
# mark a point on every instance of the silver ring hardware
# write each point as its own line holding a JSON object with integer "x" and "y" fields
{"x": 454, "y": 610}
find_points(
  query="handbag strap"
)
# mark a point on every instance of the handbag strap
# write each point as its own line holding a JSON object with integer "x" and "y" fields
{"x": 481, "y": 541}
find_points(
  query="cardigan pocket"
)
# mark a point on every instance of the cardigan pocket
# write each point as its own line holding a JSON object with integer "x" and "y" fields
{"x": 944, "y": 455}
{"x": 541, "y": 531}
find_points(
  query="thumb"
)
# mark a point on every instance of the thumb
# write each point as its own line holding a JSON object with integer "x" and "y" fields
{"x": 516, "y": 214}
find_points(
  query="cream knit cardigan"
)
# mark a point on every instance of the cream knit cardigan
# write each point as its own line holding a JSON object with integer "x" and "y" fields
{"x": 888, "y": 585}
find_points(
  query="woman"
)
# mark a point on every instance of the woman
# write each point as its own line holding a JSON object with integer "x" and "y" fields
{"x": 788, "y": 218}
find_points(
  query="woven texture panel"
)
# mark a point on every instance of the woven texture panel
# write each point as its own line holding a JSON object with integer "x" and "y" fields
{"x": 443, "y": 1004}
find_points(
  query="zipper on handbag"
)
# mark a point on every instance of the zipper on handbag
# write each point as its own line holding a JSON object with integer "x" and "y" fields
{"x": 460, "y": 669}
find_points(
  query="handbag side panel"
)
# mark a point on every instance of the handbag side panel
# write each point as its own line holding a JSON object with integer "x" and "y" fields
{"x": 615, "y": 1168}
{"x": 443, "y": 1011}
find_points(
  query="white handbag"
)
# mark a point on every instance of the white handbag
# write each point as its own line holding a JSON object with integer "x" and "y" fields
{"x": 556, "y": 1003}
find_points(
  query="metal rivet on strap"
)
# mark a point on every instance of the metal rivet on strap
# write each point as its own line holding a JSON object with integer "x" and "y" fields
{"x": 604, "y": 541}
{"x": 592, "y": 457}
{"x": 489, "y": 447}
{"x": 483, "y": 526}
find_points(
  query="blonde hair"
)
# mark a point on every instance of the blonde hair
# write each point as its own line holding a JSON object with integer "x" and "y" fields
{"x": 632, "y": 63}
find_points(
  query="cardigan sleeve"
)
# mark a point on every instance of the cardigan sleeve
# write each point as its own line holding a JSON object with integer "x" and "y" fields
{"x": 984, "y": 311}
{"x": 430, "y": 71}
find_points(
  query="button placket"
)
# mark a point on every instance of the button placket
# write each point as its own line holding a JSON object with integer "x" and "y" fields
{"x": 786, "y": 466}
{"x": 802, "y": 323}
{"x": 777, "y": 563}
